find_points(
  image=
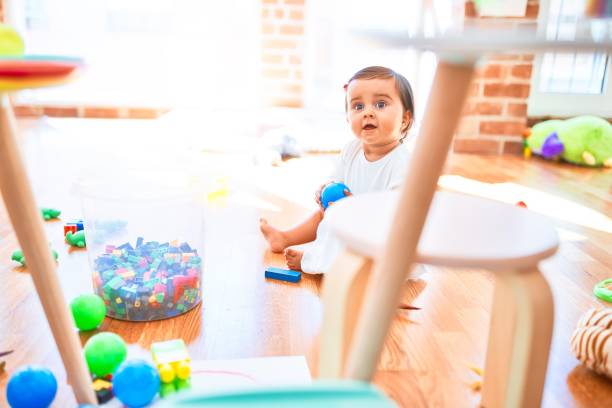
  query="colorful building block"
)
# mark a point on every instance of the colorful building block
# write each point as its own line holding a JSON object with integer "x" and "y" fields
{"x": 172, "y": 360}
{"x": 73, "y": 226}
{"x": 286, "y": 275}
{"x": 103, "y": 388}
{"x": 170, "y": 389}
{"x": 70, "y": 228}
{"x": 166, "y": 279}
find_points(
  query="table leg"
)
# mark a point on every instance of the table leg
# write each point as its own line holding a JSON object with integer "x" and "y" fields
{"x": 27, "y": 223}
{"x": 449, "y": 90}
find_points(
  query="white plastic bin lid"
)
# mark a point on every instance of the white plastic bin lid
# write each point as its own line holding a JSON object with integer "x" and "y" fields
{"x": 139, "y": 184}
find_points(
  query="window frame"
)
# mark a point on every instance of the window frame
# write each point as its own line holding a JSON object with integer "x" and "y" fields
{"x": 566, "y": 104}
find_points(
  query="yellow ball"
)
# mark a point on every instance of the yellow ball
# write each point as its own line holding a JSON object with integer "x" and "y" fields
{"x": 183, "y": 370}
{"x": 166, "y": 373}
{"x": 11, "y": 44}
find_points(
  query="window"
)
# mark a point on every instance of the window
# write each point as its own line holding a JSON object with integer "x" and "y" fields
{"x": 146, "y": 52}
{"x": 577, "y": 73}
{"x": 568, "y": 84}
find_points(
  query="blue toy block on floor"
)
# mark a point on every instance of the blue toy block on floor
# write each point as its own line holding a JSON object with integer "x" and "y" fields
{"x": 286, "y": 275}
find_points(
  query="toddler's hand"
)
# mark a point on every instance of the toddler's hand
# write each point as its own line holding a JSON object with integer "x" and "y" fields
{"x": 318, "y": 195}
{"x": 346, "y": 194}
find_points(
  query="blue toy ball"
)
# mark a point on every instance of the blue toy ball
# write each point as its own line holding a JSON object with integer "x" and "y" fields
{"x": 135, "y": 383}
{"x": 31, "y": 387}
{"x": 333, "y": 192}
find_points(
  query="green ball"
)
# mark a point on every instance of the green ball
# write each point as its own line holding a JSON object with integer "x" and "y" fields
{"x": 88, "y": 311}
{"x": 104, "y": 352}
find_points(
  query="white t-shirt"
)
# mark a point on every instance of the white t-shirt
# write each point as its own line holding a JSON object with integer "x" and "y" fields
{"x": 361, "y": 176}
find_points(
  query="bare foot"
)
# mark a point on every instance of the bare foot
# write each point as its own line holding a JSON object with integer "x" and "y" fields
{"x": 294, "y": 259}
{"x": 276, "y": 238}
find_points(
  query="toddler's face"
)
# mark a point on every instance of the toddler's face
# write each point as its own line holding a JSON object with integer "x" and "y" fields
{"x": 375, "y": 111}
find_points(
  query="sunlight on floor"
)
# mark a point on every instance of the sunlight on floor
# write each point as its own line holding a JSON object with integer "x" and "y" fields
{"x": 295, "y": 180}
{"x": 567, "y": 235}
{"x": 250, "y": 200}
{"x": 537, "y": 201}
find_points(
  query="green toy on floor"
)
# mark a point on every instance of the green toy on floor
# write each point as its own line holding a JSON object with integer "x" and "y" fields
{"x": 77, "y": 239}
{"x": 583, "y": 140}
{"x": 17, "y": 256}
{"x": 50, "y": 213}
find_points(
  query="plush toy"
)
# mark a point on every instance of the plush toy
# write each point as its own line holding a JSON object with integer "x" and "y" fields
{"x": 584, "y": 140}
{"x": 592, "y": 340}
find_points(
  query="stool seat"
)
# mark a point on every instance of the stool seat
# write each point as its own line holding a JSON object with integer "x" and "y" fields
{"x": 460, "y": 230}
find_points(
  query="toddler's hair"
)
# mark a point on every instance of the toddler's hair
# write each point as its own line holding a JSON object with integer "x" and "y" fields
{"x": 401, "y": 84}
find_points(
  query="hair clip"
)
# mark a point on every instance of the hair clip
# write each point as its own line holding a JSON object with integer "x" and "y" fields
{"x": 345, "y": 86}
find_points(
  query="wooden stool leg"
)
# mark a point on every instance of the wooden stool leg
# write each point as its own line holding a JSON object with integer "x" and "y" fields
{"x": 519, "y": 340}
{"x": 343, "y": 293}
{"x": 27, "y": 223}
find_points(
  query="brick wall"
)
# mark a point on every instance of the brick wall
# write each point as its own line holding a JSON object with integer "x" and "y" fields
{"x": 495, "y": 115}
{"x": 282, "y": 29}
{"x": 108, "y": 112}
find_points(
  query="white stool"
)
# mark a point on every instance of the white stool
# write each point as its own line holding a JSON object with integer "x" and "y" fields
{"x": 460, "y": 231}
{"x": 501, "y": 238}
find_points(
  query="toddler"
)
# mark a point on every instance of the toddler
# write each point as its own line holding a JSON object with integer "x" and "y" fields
{"x": 379, "y": 108}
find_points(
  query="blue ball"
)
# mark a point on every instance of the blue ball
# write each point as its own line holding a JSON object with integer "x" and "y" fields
{"x": 135, "y": 383}
{"x": 31, "y": 387}
{"x": 333, "y": 192}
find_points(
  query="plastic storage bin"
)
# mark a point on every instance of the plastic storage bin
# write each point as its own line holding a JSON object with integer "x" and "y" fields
{"x": 145, "y": 244}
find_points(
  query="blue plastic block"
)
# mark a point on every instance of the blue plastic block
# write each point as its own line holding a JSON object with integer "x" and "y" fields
{"x": 127, "y": 245}
{"x": 77, "y": 223}
{"x": 283, "y": 274}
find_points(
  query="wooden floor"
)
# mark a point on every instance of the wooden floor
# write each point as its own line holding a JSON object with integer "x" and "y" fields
{"x": 428, "y": 353}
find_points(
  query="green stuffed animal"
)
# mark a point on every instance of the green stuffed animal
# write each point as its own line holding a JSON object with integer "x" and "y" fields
{"x": 583, "y": 140}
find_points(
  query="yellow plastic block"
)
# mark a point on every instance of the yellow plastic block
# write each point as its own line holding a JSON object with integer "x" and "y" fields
{"x": 183, "y": 370}
{"x": 166, "y": 373}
